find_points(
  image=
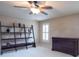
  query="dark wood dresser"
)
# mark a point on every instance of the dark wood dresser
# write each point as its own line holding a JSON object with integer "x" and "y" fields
{"x": 66, "y": 45}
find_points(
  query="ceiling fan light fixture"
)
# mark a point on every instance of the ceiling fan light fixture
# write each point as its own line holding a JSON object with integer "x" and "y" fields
{"x": 35, "y": 10}
{"x": 36, "y": 7}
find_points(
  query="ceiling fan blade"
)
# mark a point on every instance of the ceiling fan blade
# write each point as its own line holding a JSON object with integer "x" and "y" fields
{"x": 47, "y": 7}
{"x": 44, "y": 12}
{"x": 30, "y": 2}
{"x": 20, "y": 6}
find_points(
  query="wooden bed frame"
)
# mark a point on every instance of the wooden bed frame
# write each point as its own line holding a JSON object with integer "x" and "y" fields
{"x": 66, "y": 45}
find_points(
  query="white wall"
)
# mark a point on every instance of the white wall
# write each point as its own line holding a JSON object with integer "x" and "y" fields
{"x": 9, "y": 21}
{"x": 67, "y": 26}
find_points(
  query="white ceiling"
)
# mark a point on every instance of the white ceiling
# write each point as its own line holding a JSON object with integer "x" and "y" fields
{"x": 61, "y": 8}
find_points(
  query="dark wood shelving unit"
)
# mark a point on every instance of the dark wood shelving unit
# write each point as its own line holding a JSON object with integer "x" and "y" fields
{"x": 13, "y": 33}
{"x": 17, "y": 45}
{"x": 15, "y": 39}
{"x": 12, "y": 26}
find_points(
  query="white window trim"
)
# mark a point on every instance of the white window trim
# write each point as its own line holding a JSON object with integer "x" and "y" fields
{"x": 45, "y": 32}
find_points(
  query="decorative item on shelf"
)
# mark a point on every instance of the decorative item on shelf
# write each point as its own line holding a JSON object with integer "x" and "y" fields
{"x": 13, "y": 24}
{"x": 29, "y": 31}
{"x": 8, "y": 30}
{"x": 19, "y": 24}
{"x": 20, "y": 29}
{"x": 8, "y": 44}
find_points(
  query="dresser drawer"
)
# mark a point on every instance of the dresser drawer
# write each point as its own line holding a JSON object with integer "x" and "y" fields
{"x": 61, "y": 44}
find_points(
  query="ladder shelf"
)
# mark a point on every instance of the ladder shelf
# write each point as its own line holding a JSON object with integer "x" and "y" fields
{"x": 26, "y": 33}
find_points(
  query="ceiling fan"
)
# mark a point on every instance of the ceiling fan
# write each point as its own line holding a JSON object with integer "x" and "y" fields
{"x": 36, "y": 7}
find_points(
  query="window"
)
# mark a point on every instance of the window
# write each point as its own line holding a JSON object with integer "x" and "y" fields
{"x": 45, "y": 31}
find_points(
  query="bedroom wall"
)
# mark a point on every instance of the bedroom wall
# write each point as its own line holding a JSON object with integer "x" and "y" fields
{"x": 67, "y": 26}
{"x": 9, "y": 20}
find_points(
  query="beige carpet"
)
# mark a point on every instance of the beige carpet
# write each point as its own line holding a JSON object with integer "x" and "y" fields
{"x": 35, "y": 52}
